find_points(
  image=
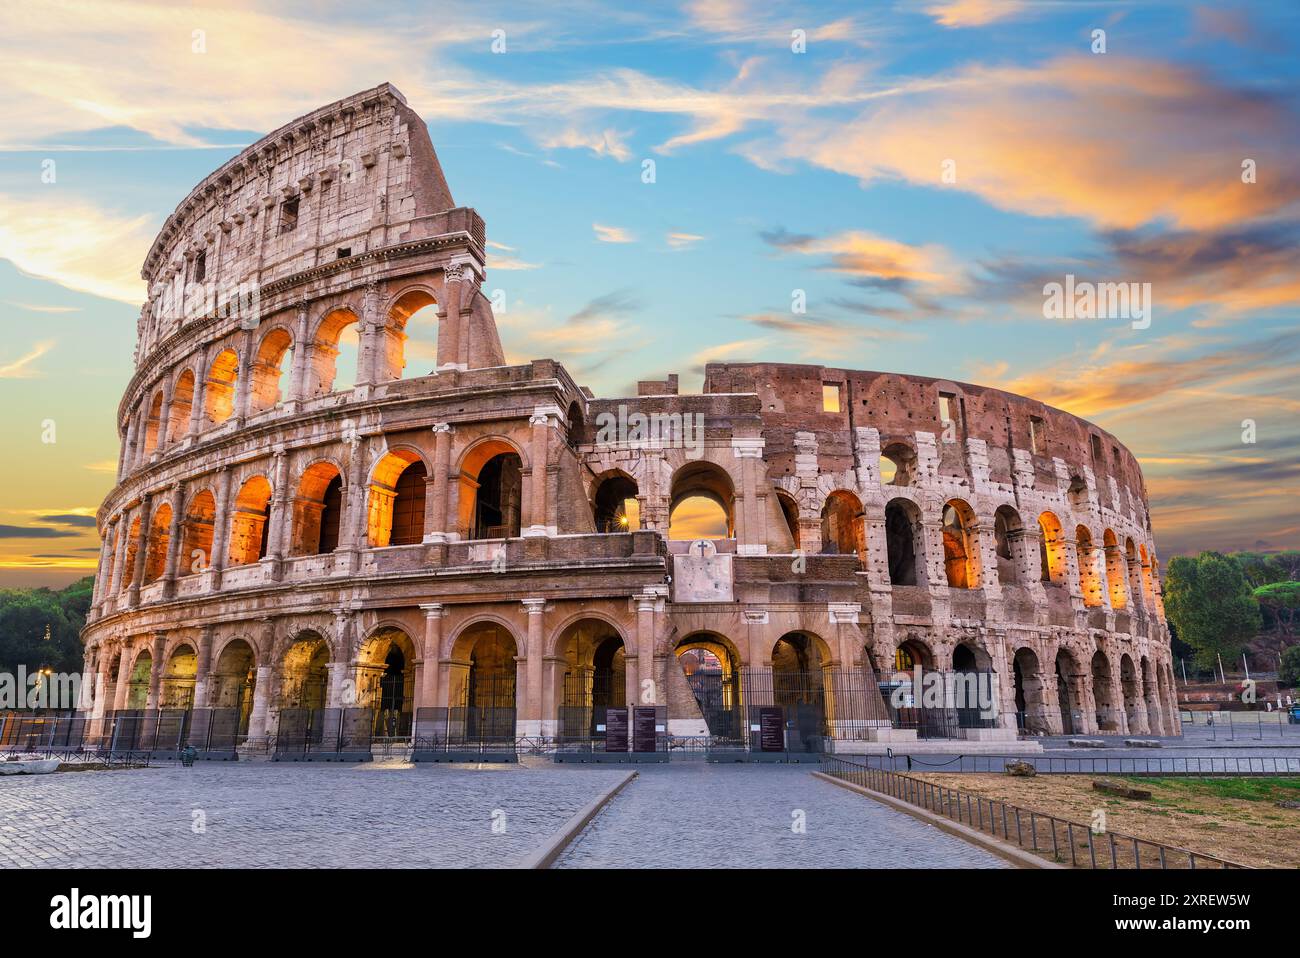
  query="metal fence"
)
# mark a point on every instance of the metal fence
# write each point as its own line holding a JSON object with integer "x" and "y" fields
{"x": 323, "y": 733}
{"x": 955, "y": 709}
{"x": 1173, "y": 765}
{"x": 1059, "y": 839}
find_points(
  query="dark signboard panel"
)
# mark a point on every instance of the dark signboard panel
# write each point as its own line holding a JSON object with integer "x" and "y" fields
{"x": 771, "y": 734}
{"x": 643, "y": 728}
{"x": 616, "y": 730}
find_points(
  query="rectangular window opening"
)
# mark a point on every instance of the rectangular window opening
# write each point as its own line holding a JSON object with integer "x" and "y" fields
{"x": 830, "y": 397}
{"x": 288, "y": 215}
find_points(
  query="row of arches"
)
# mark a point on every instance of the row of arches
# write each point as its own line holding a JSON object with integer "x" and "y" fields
{"x": 333, "y": 363}
{"x": 491, "y": 480}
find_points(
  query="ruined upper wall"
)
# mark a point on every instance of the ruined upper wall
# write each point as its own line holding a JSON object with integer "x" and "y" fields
{"x": 357, "y": 175}
{"x": 901, "y": 405}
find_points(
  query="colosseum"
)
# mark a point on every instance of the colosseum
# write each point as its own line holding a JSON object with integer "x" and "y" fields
{"x": 480, "y": 553}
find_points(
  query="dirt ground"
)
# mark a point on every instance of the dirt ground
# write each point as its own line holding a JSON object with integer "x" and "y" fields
{"x": 1232, "y": 818}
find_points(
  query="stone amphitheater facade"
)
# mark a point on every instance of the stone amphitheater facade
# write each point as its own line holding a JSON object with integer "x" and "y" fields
{"x": 279, "y": 540}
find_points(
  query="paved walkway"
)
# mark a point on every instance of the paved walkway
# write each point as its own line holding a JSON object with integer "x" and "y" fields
{"x": 253, "y": 814}
{"x": 257, "y": 814}
{"x": 698, "y": 815}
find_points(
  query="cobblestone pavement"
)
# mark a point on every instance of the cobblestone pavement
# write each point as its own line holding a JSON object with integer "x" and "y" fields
{"x": 698, "y": 815}
{"x": 301, "y": 815}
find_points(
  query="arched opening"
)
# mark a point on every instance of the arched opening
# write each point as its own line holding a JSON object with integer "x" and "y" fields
{"x": 701, "y": 505}
{"x": 132, "y": 545}
{"x": 1107, "y": 719}
{"x": 335, "y": 353}
{"x": 615, "y": 504}
{"x": 1030, "y": 697}
{"x": 897, "y": 464}
{"x": 1134, "y": 572}
{"x": 483, "y": 682}
{"x": 1151, "y": 696}
{"x": 412, "y": 333}
{"x": 178, "y": 418}
{"x": 711, "y": 666}
{"x": 961, "y": 554}
{"x": 790, "y": 511}
{"x": 249, "y": 527}
{"x": 396, "y": 512}
{"x": 317, "y": 510}
{"x": 1086, "y": 554}
{"x": 196, "y": 533}
{"x": 304, "y": 674}
{"x": 903, "y": 541}
{"x": 577, "y": 425}
{"x": 799, "y": 689}
{"x": 274, "y": 357}
{"x": 1128, "y": 683}
{"x": 155, "y": 561}
{"x": 219, "y": 392}
{"x": 595, "y": 677}
{"x": 387, "y": 682}
{"x": 177, "y": 688}
{"x": 1148, "y": 586}
{"x": 153, "y": 423}
{"x": 491, "y": 491}
{"x": 137, "y": 693}
{"x": 973, "y": 695}
{"x": 1067, "y": 674}
{"x": 233, "y": 682}
{"x": 1007, "y": 529}
{"x": 1114, "y": 571}
{"x": 1051, "y": 548}
{"x": 842, "y": 530}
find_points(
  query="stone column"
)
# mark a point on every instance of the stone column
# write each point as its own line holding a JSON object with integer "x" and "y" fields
{"x": 436, "y": 522}
{"x": 243, "y": 378}
{"x": 203, "y": 667}
{"x": 449, "y": 326}
{"x": 645, "y": 648}
{"x": 351, "y": 533}
{"x": 301, "y": 356}
{"x": 123, "y": 677}
{"x": 532, "y": 706}
{"x": 750, "y": 528}
{"x": 156, "y": 668}
{"x": 126, "y": 460}
{"x": 539, "y": 453}
{"x": 220, "y": 528}
{"x": 280, "y": 517}
{"x": 427, "y": 694}
{"x": 103, "y": 581}
{"x": 173, "y": 540}
{"x": 164, "y": 416}
{"x": 200, "y": 385}
{"x": 141, "y": 549}
{"x": 257, "y": 717}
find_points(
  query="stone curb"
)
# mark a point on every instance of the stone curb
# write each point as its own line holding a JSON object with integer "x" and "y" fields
{"x": 1004, "y": 850}
{"x": 546, "y": 856}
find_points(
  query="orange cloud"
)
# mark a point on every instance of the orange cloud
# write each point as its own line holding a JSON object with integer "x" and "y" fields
{"x": 1115, "y": 140}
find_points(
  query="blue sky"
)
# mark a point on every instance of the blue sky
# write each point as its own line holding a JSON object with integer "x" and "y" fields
{"x": 775, "y": 171}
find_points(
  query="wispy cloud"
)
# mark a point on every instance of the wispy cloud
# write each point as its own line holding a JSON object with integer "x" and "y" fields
{"x": 612, "y": 234}
{"x": 973, "y": 13}
{"x": 21, "y": 368}
{"x": 51, "y": 234}
{"x": 682, "y": 240}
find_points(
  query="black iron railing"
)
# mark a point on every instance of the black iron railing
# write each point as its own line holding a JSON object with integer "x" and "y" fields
{"x": 1059, "y": 839}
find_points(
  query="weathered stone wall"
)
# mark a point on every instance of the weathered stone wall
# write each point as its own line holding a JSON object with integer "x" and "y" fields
{"x": 232, "y": 469}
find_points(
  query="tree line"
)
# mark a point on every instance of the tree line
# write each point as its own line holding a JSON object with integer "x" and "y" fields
{"x": 1224, "y": 605}
{"x": 41, "y": 628}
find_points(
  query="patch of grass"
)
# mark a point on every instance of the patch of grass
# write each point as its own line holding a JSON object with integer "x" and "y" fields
{"x": 1250, "y": 789}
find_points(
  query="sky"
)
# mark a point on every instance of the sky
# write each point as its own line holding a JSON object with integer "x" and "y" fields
{"x": 918, "y": 170}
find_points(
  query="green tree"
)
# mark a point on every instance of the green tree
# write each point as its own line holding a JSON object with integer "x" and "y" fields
{"x": 1210, "y": 602}
{"x": 1260, "y": 568}
{"x": 40, "y": 628}
{"x": 1289, "y": 673}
